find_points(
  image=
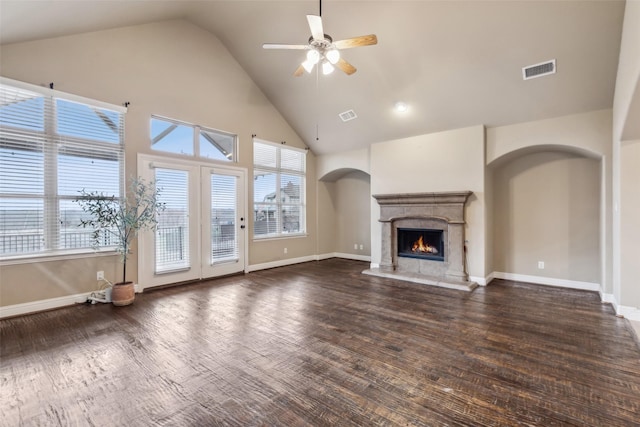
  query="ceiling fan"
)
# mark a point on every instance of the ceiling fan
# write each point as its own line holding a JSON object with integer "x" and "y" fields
{"x": 322, "y": 49}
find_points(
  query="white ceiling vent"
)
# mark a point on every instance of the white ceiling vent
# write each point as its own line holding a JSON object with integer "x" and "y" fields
{"x": 539, "y": 70}
{"x": 348, "y": 115}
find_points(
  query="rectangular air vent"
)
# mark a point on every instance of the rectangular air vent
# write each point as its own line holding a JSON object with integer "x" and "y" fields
{"x": 347, "y": 115}
{"x": 539, "y": 70}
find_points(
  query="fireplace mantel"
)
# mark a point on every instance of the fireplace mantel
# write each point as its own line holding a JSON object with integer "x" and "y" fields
{"x": 422, "y": 198}
{"x": 440, "y": 211}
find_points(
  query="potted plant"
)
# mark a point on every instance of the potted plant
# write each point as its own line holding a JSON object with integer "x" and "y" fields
{"x": 122, "y": 219}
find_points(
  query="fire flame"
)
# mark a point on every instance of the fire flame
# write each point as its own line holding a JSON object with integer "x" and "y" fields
{"x": 419, "y": 246}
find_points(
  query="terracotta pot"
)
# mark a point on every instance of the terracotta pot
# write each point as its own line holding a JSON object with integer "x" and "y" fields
{"x": 123, "y": 294}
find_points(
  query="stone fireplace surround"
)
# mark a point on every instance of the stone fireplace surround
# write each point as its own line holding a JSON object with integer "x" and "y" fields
{"x": 435, "y": 211}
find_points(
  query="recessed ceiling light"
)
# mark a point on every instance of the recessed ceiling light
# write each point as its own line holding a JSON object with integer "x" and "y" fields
{"x": 401, "y": 107}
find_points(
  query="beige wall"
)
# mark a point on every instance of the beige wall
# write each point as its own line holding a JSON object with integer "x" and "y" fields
{"x": 489, "y": 200}
{"x": 627, "y": 92}
{"x": 353, "y": 214}
{"x": 626, "y": 164}
{"x": 327, "y": 223}
{"x": 444, "y": 161}
{"x": 332, "y": 166}
{"x": 630, "y": 224}
{"x": 589, "y": 133}
{"x": 344, "y": 216}
{"x": 546, "y": 208}
{"x": 585, "y": 135}
{"x": 172, "y": 69}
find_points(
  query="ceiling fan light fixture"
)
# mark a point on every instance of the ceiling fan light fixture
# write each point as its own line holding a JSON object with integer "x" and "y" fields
{"x": 327, "y": 68}
{"x": 308, "y": 66}
{"x": 333, "y": 55}
{"x": 313, "y": 56}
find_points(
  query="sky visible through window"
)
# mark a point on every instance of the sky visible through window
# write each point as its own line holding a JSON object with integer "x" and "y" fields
{"x": 75, "y": 144}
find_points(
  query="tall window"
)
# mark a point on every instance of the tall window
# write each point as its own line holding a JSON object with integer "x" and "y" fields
{"x": 52, "y": 145}
{"x": 172, "y": 136}
{"x": 278, "y": 190}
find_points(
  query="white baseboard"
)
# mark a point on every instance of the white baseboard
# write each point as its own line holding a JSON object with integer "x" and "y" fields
{"x": 355, "y": 257}
{"x": 42, "y": 305}
{"x": 608, "y": 298}
{"x": 325, "y": 256}
{"x": 482, "y": 281}
{"x": 280, "y": 263}
{"x": 539, "y": 280}
{"x": 631, "y": 313}
{"x": 291, "y": 261}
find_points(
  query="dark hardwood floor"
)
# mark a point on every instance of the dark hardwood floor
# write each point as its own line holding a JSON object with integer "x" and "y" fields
{"x": 321, "y": 344}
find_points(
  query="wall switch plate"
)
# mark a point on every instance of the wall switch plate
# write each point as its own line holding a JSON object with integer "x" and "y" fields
{"x": 355, "y": 246}
{"x": 285, "y": 250}
{"x": 100, "y": 275}
{"x": 361, "y": 247}
{"x": 541, "y": 265}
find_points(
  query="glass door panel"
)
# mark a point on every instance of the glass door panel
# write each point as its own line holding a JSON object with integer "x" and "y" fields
{"x": 223, "y": 221}
{"x": 201, "y": 233}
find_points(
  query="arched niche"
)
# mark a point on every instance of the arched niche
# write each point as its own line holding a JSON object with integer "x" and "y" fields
{"x": 547, "y": 206}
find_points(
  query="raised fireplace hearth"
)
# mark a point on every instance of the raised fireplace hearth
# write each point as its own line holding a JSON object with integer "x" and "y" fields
{"x": 422, "y": 239}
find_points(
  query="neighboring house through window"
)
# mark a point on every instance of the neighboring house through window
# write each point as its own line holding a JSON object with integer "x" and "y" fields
{"x": 279, "y": 182}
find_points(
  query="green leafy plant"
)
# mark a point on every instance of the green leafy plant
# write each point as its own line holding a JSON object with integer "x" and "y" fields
{"x": 122, "y": 218}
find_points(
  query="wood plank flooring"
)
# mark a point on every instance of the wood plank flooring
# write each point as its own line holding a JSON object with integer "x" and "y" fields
{"x": 319, "y": 344}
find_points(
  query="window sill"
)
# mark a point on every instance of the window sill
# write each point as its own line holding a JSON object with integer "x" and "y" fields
{"x": 55, "y": 256}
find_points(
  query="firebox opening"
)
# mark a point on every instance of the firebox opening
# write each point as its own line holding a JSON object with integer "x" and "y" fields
{"x": 421, "y": 243}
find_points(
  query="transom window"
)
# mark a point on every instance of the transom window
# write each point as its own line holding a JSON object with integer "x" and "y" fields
{"x": 279, "y": 177}
{"x": 172, "y": 136}
{"x": 52, "y": 146}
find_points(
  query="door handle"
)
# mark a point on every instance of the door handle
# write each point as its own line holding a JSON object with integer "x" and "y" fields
{"x": 242, "y": 226}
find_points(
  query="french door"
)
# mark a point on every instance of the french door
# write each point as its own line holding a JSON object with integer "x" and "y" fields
{"x": 201, "y": 232}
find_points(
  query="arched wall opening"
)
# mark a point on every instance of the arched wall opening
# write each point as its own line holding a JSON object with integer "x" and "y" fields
{"x": 546, "y": 215}
{"x": 344, "y": 218}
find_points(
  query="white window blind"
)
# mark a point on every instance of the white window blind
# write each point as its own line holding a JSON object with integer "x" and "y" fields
{"x": 52, "y": 146}
{"x": 278, "y": 190}
{"x": 172, "y": 230}
{"x": 224, "y": 238}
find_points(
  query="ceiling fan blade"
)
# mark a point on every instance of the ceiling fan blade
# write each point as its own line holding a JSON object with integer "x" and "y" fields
{"x": 315, "y": 25}
{"x": 345, "y": 66}
{"x": 284, "y": 46}
{"x": 357, "y": 42}
{"x": 299, "y": 71}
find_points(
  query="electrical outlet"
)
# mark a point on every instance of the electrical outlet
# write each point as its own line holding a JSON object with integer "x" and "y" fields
{"x": 541, "y": 265}
{"x": 285, "y": 250}
{"x": 361, "y": 247}
{"x": 100, "y": 275}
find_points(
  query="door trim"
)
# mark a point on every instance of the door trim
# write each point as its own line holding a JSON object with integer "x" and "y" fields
{"x": 145, "y": 247}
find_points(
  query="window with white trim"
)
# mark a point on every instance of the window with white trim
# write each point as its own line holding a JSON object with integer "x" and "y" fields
{"x": 173, "y": 136}
{"x": 52, "y": 146}
{"x": 279, "y": 182}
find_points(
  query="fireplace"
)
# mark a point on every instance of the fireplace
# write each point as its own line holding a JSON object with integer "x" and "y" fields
{"x": 423, "y": 239}
{"x": 421, "y": 243}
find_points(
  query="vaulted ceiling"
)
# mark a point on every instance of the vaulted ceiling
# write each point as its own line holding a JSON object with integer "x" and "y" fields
{"x": 455, "y": 63}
